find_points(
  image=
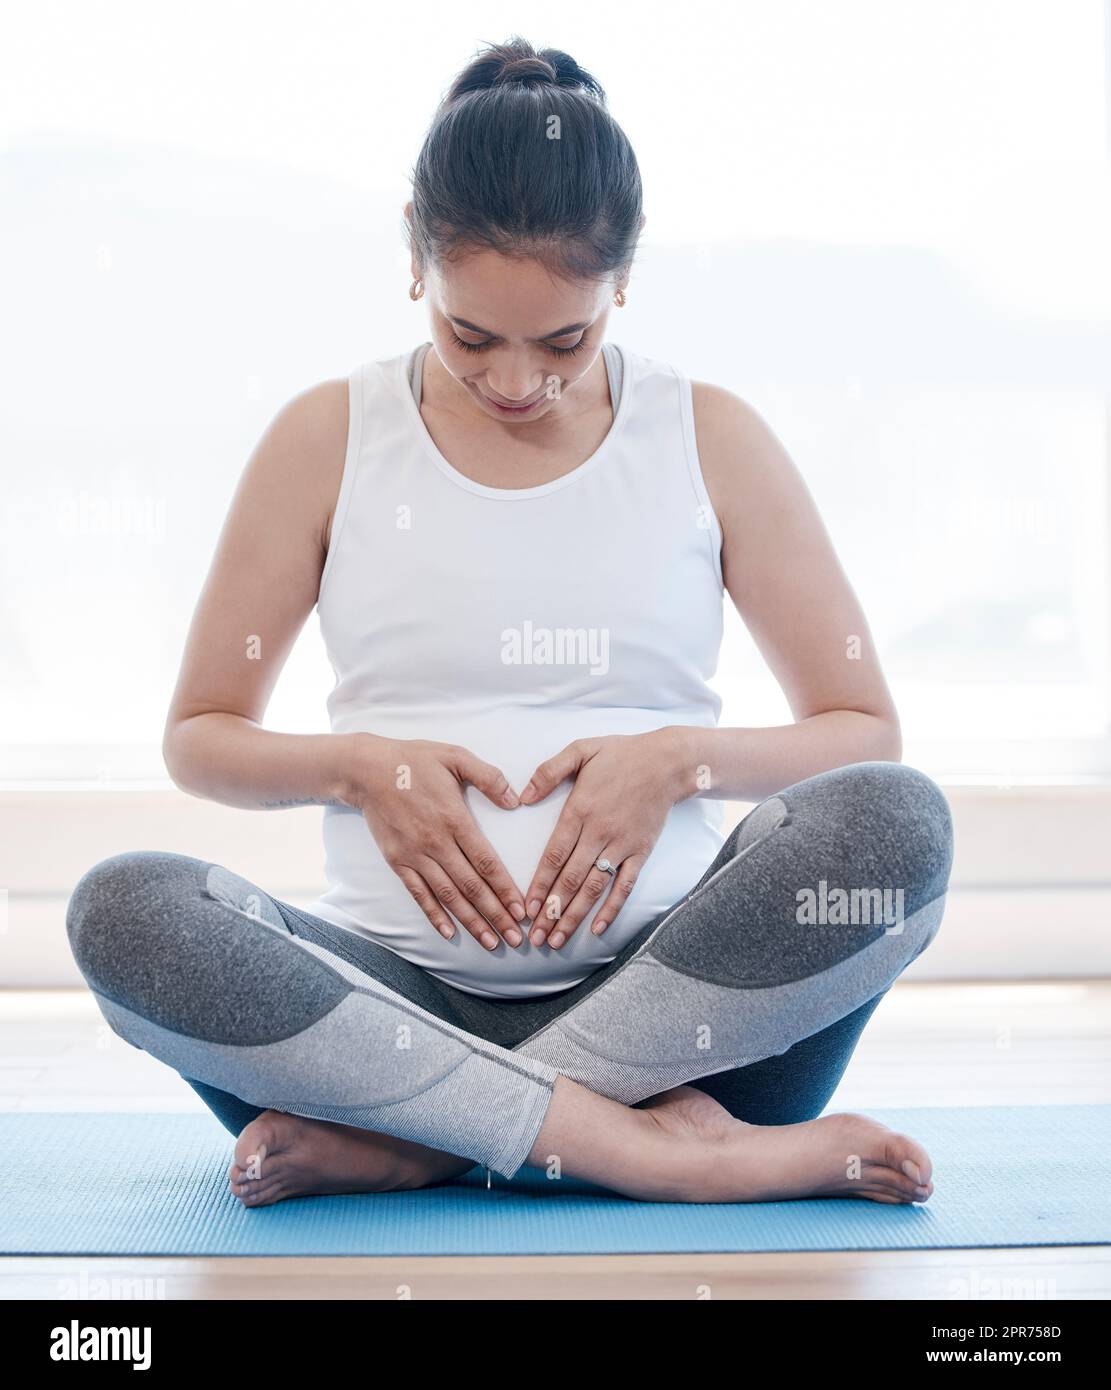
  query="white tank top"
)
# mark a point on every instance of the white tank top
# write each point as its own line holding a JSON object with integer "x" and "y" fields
{"x": 513, "y": 621}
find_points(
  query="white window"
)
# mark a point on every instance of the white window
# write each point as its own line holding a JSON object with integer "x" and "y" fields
{"x": 887, "y": 226}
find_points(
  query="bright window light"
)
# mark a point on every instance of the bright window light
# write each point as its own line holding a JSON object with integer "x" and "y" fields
{"x": 886, "y": 225}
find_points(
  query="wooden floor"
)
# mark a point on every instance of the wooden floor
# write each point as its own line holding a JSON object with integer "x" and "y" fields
{"x": 928, "y": 1044}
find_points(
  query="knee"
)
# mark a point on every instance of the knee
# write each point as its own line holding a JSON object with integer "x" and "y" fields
{"x": 896, "y": 819}
{"x": 163, "y": 936}
{"x": 113, "y": 913}
{"x": 913, "y": 824}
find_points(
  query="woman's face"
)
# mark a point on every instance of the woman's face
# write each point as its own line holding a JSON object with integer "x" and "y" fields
{"x": 515, "y": 337}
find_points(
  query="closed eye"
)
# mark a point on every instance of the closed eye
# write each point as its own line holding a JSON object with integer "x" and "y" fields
{"x": 567, "y": 351}
{"x": 481, "y": 347}
{"x": 470, "y": 347}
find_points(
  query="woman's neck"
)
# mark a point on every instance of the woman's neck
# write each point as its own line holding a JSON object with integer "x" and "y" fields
{"x": 529, "y": 454}
{"x": 442, "y": 395}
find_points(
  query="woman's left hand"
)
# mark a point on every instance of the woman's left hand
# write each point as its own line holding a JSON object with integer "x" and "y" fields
{"x": 625, "y": 785}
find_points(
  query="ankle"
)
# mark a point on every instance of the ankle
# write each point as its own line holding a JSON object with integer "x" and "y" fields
{"x": 429, "y": 1169}
{"x": 676, "y": 1167}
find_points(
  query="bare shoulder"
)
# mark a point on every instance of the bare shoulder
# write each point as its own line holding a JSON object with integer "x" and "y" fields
{"x": 716, "y": 408}
{"x": 748, "y": 471}
{"x": 297, "y": 465}
{"x": 308, "y": 435}
{"x": 733, "y": 437}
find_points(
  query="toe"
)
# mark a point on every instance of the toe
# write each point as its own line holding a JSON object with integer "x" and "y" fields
{"x": 258, "y": 1139}
{"x": 879, "y": 1177}
{"x": 252, "y": 1159}
{"x": 261, "y": 1194}
{"x": 907, "y": 1156}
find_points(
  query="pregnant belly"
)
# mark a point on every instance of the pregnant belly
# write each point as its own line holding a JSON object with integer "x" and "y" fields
{"x": 366, "y": 895}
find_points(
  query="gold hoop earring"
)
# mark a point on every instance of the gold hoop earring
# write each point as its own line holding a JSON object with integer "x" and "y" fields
{"x": 619, "y": 299}
{"x": 416, "y": 289}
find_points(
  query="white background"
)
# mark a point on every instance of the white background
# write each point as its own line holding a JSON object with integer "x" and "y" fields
{"x": 884, "y": 224}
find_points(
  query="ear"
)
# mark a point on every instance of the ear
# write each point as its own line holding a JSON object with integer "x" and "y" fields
{"x": 408, "y": 214}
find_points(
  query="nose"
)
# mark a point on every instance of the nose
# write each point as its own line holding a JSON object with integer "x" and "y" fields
{"x": 514, "y": 381}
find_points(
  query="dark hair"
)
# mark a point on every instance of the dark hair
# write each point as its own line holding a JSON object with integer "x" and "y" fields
{"x": 524, "y": 158}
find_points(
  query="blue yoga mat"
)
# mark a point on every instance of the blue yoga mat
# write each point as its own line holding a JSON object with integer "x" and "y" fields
{"x": 108, "y": 1184}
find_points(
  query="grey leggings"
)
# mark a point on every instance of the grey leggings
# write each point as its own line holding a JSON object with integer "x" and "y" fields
{"x": 755, "y": 986}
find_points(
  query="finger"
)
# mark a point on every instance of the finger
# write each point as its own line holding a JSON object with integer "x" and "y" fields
{"x": 561, "y": 845}
{"x": 549, "y": 774}
{"x": 584, "y": 884}
{"x": 450, "y": 893}
{"x": 627, "y": 874}
{"x": 577, "y": 888}
{"x": 488, "y": 779}
{"x": 426, "y": 900}
{"x": 484, "y": 857}
{"x": 479, "y": 893}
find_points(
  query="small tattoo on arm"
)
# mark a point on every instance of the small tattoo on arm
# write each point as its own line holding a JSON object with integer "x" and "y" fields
{"x": 299, "y": 801}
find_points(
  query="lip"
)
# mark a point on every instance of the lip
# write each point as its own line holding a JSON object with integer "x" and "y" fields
{"x": 512, "y": 409}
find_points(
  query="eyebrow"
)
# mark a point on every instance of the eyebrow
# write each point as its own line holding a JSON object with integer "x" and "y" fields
{"x": 559, "y": 332}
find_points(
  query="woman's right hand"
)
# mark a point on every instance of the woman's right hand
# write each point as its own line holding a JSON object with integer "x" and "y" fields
{"x": 411, "y": 795}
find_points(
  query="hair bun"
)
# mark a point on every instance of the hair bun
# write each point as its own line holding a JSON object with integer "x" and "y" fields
{"x": 516, "y": 63}
{"x": 528, "y": 72}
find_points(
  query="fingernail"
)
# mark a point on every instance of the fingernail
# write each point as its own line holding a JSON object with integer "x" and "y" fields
{"x": 511, "y": 799}
{"x": 447, "y": 933}
{"x": 517, "y": 912}
{"x": 513, "y": 936}
{"x": 598, "y": 928}
{"x": 556, "y": 940}
{"x": 489, "y": 940}
{"x": 911, "y": 1170}
{"x": 534, "y": 906}
{"x": 537, "y": 937}
{"x": 528, "y": 793}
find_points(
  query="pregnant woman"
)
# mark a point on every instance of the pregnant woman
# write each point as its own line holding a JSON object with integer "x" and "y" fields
{"x": 536, "y": 945}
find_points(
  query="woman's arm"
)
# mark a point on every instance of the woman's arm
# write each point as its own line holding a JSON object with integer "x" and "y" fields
{"x": 262, "y": 585}
{"x": 786, "y": 582}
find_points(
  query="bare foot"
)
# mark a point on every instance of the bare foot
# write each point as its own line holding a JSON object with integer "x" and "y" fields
{"x": 279, "y": 1156}
{"x": 691, "y": 1150}
{"x": 835, "y": 1156}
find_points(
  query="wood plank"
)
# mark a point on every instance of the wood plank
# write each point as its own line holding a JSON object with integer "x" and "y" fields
{"x": 1022, "y": 1043}
{"x": 1027, "y": 1273}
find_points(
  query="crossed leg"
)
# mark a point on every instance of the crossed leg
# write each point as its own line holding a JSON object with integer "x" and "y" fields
{"x": 197, "y": 967}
